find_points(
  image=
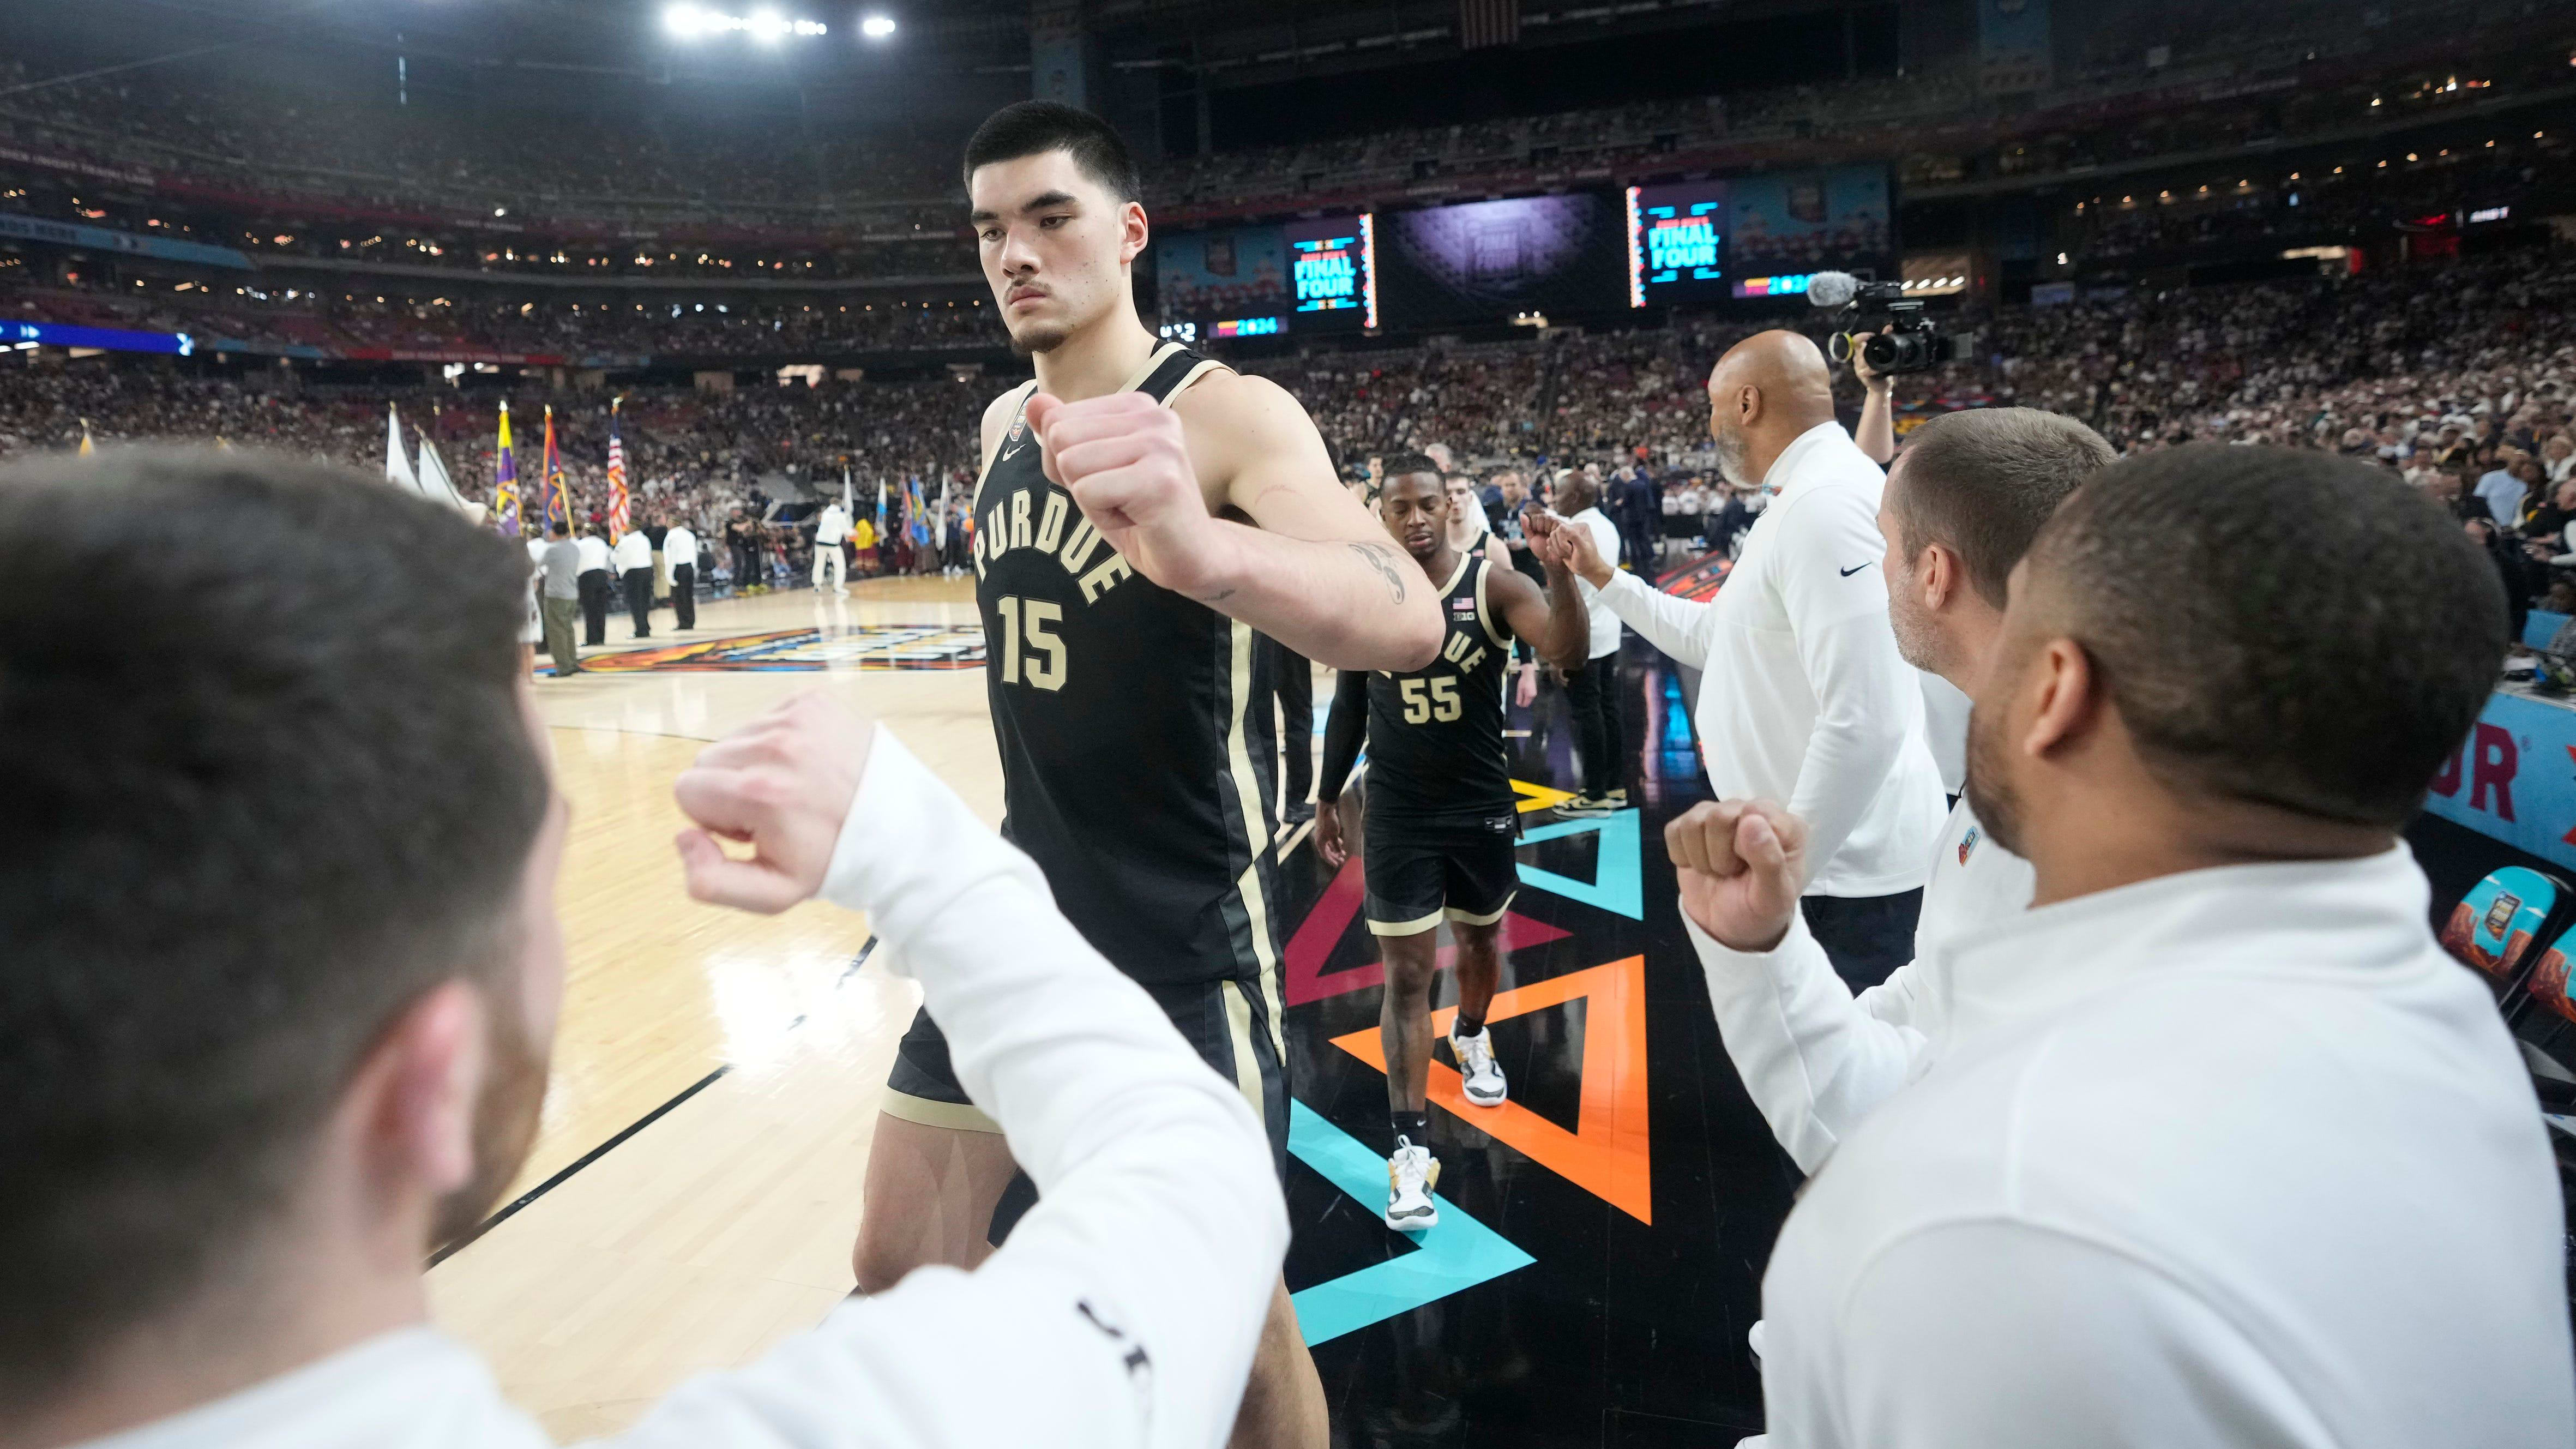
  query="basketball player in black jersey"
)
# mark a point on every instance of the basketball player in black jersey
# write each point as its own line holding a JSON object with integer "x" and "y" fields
{"x": 1143, "y": 515}
{"x": 1441, "y": 817}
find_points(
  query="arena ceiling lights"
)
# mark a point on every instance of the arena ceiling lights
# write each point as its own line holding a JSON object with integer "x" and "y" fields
{"x": 694, "y": 22}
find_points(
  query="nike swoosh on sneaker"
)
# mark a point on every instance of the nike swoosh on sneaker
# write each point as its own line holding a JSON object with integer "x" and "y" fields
{"x": 1855, "y": 568}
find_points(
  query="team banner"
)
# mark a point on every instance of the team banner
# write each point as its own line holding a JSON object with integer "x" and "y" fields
{"x": 505, "y": 482}
{"x": 558, "y": 490}
{"x": 617, "y": 502}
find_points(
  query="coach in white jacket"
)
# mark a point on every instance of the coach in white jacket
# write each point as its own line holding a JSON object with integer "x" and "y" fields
{"x": 1963, "y": 502}
{"x": 2214, "y": 1144}
{"x": 1802, "y": 695}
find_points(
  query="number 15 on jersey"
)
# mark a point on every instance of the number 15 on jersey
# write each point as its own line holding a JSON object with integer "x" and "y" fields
{"x": 1031, "y": 652}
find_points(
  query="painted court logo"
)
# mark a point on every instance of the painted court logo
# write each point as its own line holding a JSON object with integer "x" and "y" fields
{"x": 865, "y": 646}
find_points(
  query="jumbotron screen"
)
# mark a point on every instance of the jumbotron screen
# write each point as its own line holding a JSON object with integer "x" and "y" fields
{"x": 1212, "y": 276}
{"x": 1332, "y": 264}
{"x": 1676, "y": 242}
{"x": 1790, "y": 225}
{"x": 1487, "y": 261}
{"x": 1259, "y": 281}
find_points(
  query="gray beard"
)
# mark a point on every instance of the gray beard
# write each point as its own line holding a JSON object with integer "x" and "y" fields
{"x": 1731, "y": 460}
{"x": 1914, "y": 643}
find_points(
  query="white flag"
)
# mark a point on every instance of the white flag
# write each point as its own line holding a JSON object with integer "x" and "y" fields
{"x": 433, "y": 480}
{"x": 397, "y": 467}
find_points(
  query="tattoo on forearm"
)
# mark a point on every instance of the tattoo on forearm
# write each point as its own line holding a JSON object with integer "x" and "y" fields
{"x": 1375, "y": 555}
{"x": 1219, "y": 597}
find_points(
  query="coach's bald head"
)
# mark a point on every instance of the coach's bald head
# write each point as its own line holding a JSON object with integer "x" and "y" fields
{"x": 1762, "y": 394}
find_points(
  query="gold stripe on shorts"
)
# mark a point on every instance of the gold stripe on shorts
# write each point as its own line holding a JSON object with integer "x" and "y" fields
{"x": 1414, "y": 927}
{"x": 1464, "y": 918}
{"x": 955, "y": 1116}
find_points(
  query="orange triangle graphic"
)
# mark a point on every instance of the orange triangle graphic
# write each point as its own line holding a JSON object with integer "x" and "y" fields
{"x": 1609, "y": 1156}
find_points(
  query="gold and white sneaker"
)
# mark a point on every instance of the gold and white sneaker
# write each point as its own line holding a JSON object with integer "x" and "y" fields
{"x": 1484, "y": 1076}
{"x": 1411, "y": 1174}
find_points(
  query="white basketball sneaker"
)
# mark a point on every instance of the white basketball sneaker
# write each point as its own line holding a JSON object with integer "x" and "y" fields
{"x": 1476, "y": 1063}
{"x": 1411, "y": 1174}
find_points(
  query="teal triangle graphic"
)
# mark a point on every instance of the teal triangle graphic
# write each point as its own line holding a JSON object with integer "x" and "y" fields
{"x": 1457, "y": 1255}
{"x": 1618, "y": 879}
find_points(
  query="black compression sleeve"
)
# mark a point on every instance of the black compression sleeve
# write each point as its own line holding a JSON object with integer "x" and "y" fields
{"x": 1344, "y": 729}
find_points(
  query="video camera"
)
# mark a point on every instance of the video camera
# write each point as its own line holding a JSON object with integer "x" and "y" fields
{"x": 1916, "y": 344}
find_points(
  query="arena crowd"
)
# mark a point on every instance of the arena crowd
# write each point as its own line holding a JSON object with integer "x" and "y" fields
{"x": 2455, "y": 373}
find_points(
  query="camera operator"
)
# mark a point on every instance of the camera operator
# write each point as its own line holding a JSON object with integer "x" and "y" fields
{"x": 1876, "y": 431}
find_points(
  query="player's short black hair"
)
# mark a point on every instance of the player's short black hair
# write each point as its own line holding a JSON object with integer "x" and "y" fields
{"x": 2278, "y": 626}
{"x": 268, "y": 782}
{"x": 1030, "y": 128}
{"x": 1983, "y": 481}
{"x": 1396, "y": 465}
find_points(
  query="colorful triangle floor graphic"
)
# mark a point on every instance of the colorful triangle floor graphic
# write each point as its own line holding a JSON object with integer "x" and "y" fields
{"x": 1304, "y": 978}
{"x": 1458, "y": 1254}
{"x": 1618, "y": 877}
{"x": 1608, "y": 1154}
{"x": 1538, "y": 797}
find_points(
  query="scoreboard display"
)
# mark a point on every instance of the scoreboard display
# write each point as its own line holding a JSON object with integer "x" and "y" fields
{"x": 1676, "y": 243}
{"x": 1333, "y": 271}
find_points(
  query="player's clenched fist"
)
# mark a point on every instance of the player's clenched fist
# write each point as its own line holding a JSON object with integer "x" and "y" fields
{"x": 781, "y": 784}
{"x": 1567, "y": 545}
{"x": 1742, "y": 865}
{"x": 1123, "y": 459}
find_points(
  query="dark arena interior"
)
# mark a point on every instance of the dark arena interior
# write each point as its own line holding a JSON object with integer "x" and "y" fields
{"x": 1712, "y": 370}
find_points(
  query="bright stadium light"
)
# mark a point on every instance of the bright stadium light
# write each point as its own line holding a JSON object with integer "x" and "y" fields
{"x": 877, "y": 27}
{"x": 691, "y": 22}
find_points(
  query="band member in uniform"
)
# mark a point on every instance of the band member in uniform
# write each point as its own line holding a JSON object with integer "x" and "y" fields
{"x": 1145, "y": 513}
{"x": 1441, "y": 817}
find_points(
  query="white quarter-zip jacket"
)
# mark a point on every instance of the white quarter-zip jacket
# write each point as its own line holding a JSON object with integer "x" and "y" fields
{"x": 1124, "y": 1310}
{"x": 1803, "y": 698}
{"x": 1817, "y": 1059}
{"x": 2230, "y": 1157}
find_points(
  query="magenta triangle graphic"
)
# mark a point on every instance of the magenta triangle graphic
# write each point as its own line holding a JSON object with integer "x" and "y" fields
{"x": 1305, "y": 978}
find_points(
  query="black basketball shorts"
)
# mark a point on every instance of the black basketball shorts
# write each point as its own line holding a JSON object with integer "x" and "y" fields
{"x": 1420, "y": 875}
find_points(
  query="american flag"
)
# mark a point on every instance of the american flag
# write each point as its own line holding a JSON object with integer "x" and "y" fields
{"x": 1488, "y": 22}
{"x": 616, "y": 474}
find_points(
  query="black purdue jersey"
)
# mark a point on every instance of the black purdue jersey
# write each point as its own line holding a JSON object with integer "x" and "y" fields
{"x": 1435, "y": 735}
{"x": 1138, "y": 752}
